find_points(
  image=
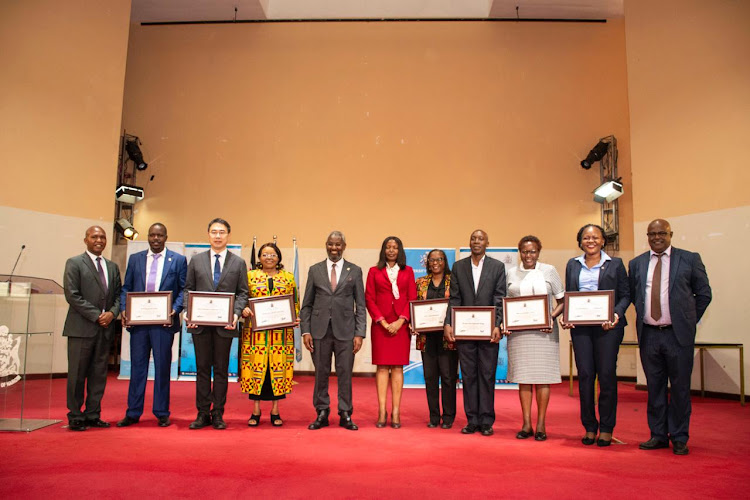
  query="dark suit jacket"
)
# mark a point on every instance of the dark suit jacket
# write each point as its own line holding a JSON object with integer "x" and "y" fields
{"x": 200, "y": 278}
{"x": 88, "y": 298}
{"x": 343, "y": 308}
{"x": 612, "y": 276}
{"x": 491, "y": 287}
{"x": 689, "y": 292}
{"x": 172, "y": 280}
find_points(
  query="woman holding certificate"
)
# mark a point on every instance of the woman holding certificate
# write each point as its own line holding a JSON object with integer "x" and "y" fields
{"x": 390, "y": 288}
{"x": 439, "y": 357}
{"x": 534, "y": 355}
{"x": 267, "y": 359}
{"x": 597, "y": 346}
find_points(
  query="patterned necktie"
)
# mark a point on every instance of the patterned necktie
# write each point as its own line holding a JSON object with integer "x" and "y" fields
{"x": 333, "y": 277}
{"x": 656, "y": 290}
{"x": 101, "y": 272}
{"x": 151, "y": 279}
{"x": 217, "y": 272}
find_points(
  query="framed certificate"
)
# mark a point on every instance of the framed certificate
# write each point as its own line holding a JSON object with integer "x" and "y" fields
{"x": 473, "y": 323}
{"x": 589, "y": 308}
{"x": 210, "y": 308}
{"x": 148, "y": 308}
{"x": 428, "y": 315}
{"x": 272, "y": 312}
{"x": 526, "y": 313}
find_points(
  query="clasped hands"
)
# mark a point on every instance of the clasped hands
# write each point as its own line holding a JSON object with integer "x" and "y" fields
{"x": 394, "y": 327}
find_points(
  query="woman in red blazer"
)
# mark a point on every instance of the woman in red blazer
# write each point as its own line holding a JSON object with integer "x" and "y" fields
{"x": 390, "y": 288}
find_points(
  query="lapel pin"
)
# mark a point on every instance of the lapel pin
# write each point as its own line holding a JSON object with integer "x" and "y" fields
{"x": 348, "y": 268}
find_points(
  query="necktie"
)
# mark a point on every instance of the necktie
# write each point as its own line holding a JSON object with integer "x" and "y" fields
{"x": 656, "y": 290}
{"x": 101, "y": 272}
{"x": 333, "y": 277}
{"x": 217, "y": 271}
{"x": 151, "y": 279}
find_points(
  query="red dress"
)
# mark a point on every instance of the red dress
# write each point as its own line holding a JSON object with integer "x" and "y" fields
{"x": 390, "y": 349}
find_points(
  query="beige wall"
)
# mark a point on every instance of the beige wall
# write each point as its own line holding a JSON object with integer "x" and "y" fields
{"x": 295, "y": 129}
{"x": 689, "y": 92}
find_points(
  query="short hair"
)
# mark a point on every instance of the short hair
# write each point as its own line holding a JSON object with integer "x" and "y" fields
{"x": 259, "y": 265}
{"x": 579, "y": 237}
{"x": 445, "y": 259}
{"x": 90, "y": 229}
{"x": 221, "y": 221}
{"x": 337, "y": 234}
{"x": 162, "y": 225}
{"x": 400, "y": 258}
{"x": 530, "y": 239}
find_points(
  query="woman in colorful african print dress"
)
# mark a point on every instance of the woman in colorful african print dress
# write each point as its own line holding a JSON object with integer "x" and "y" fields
{"x": 267, "y": 356}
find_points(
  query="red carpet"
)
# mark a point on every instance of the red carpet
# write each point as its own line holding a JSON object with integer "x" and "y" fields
{"x": 415, "y": 462}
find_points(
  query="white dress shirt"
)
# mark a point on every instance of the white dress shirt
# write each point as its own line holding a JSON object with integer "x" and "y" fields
{"x": 104, "y": 266}
{"x": 339, "y": 267}
{"x": 476, "y": 271}
{"x": 222, "y": 258}
{"x": 666, "y": 317}
{"x": 159, "y": 266}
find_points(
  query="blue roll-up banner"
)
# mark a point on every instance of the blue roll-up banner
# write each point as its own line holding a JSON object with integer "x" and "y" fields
{"x": 417, "y": 259}
{"x": 187, "y": 350}
{"x": 509, "y": 257}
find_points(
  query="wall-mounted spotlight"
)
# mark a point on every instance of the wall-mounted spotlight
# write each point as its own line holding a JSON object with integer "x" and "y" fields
{"x": 596, "y": 154}
{"x": 128, "y": 231}
{"x": 608, "y": 192}
{"x": 129, "y": 194}
{"x": 135, "y": 154}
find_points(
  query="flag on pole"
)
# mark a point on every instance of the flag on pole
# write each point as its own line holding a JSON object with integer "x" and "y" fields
{"x": 297, "y": 330}
{"x": 252, "y": 254}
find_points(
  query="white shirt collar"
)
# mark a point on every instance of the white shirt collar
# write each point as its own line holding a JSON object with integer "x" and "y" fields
{"x": 667, "y": 252}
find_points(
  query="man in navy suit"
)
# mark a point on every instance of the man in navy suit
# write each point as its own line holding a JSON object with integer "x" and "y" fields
{"x": 670, "y": 291}
{"x": 155, "y": 270}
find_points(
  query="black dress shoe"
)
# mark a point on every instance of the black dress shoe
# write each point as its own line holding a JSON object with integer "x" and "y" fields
{"x": 201, "y": 421}
{"x": 432, "y": 425}
{"x": 127, "y": 421}
{"x": 98, "y": 423}
{"x": 469, "y": 429}
{"x": 380, "y": 424}
{"x": 653, "y": 444}
{"x": 603, "y": 442}
{"x": 447, "y": 424}
{"x": 487, "y": 430}
{"x": 320, "y": 421}
{"x": 588, "y": 441}
{"x": 345, "y": 421}
{"x": 217, "y": 421}
{"x": 77, "y": 425}
{"x": 522, "y": 434}
{"x": 164, "y": 421}
{"x": 680, "y": 448}
{"x": 540, "y": 436}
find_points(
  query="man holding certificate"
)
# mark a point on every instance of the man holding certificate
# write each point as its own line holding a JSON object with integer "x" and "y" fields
{"x": 670, "y": 292}
{"x": 212, "y": 319}
{"x": 157, "y": 269}
{"x": 478, "y": 281}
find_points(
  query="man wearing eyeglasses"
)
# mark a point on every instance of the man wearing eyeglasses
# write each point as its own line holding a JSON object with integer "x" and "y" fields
{"x": 216, "y": 270}
{"x": 670, "y": 291}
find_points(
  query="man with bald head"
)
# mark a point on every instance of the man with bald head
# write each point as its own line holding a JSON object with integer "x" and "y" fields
{"x": 478, "y": 280}
{"x": 92, "y": 289}
{"x": 670, "y": 291}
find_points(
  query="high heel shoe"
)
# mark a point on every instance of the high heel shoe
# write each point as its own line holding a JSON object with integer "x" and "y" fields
{"x": 395, "y": 422}
{"x": 381, "y": 422}
{"x": 254, "y": 420}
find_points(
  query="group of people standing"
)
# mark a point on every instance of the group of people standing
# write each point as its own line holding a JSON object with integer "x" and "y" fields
{"x": 668, "y": 286}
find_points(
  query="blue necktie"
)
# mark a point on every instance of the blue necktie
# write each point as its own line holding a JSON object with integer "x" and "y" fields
{"x": 217, "y": 272}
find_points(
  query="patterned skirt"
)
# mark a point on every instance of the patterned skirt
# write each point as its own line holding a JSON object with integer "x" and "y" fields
{"x": 267, "y": 355}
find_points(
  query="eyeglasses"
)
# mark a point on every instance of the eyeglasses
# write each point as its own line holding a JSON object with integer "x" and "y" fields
{"x": 218, "y": 233}
{"x": 268, "y": 255}
{"x": 660, "y": 234}
{"x": 433, "y": 261}
{"x": 529, "y": 252}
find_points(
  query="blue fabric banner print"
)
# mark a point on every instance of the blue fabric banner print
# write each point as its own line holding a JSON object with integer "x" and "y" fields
{"x": 417, "y": 259}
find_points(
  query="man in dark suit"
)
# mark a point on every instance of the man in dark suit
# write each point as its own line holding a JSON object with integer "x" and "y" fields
{"x": 670, "y": 291}
{"x": 92, "y": 289}
{"x": 155, "y": 270}
{"x": 333, "y": 321}
{"x": 216, "y": 270}
{"x": 478, "y": 280}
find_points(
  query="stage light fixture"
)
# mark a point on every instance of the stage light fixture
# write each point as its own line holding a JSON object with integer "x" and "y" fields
{"x": 596, "y": 154}
{"x": 129, "y": 194}
{"x": 608, "y": 192}
{"x": 135, "y": 154}
{"x": 128, "y": 231}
